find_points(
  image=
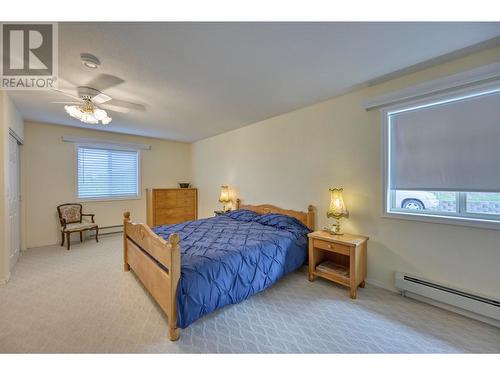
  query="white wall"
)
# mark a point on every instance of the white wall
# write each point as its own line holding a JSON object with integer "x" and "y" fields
{"x": 9, "y": 118}
{"x": 49, "y": 178}
{"x": 293, "y": 159}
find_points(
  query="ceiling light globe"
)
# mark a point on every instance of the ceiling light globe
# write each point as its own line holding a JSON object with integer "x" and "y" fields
{"x": 73, "y": 111}
{"x": 106, "y": 120}
{"x": 88, "y": 118}
{"x": 100, "y": 114}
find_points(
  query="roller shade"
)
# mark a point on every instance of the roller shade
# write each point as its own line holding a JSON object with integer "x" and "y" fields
{"x": 107, "y": 173}
{"x": 453, "y": 146}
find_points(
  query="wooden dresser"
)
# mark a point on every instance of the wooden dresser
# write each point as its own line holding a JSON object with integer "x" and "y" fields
{"x": 171, "y": 206}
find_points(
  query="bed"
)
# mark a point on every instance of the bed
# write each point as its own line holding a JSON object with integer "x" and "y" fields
{"x": 196, "y": 267}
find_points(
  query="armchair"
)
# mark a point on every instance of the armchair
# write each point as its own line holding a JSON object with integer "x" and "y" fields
{"x": 73, "y": 220}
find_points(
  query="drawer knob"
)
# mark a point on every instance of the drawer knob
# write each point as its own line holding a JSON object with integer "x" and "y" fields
{"x": 330, "y": 246}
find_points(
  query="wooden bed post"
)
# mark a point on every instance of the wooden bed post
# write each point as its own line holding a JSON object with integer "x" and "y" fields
{"x": 126, "y": 220}
{"x": 144, "y": 252}
{"x": 310, "y": 217}
{"x": 175, "y": 275}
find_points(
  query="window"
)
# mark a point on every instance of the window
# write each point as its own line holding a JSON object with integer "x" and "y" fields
{"x": 441, "y": 158}
{"x": 107, "y": 173}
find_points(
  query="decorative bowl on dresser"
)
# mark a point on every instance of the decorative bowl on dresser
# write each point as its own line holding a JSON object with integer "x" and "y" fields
{"x": 171, "y": 206}
{"x": 338, "y": 258}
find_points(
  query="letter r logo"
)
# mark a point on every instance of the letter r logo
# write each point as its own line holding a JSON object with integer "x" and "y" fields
{"x": 27, "y": 50}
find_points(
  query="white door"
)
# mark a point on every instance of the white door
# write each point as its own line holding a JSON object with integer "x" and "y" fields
{"x": 14, "y": 196}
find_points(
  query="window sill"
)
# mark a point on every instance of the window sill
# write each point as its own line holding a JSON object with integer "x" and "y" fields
{"x": 449, "y": 220}
{"x": 108, "y": 199}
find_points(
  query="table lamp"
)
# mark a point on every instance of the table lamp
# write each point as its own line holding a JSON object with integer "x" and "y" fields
{"x": 337, "y": 209}
{"x": 224, "y": 196}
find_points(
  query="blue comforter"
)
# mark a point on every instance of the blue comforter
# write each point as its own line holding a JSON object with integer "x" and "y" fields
{"x": 225, "y": 259}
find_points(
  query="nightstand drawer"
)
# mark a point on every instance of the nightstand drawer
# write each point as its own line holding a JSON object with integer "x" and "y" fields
{"x": 338, "y": 248}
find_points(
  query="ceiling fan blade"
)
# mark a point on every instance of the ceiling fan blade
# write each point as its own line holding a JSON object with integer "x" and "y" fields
{"x": 67, "y": 93}
{"x": 129, "y": 105}
{"x": 65, "y": 102}
{"x": 101, "y": 98}
{"x": 114, "y": 108}
{"x": 104, "y": 81}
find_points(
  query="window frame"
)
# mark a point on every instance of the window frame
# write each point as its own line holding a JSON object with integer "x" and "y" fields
{"x": 487, "y": 221}
{"x": 104, "y": 146}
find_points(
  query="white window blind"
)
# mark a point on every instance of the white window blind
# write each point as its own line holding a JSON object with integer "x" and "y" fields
{"x": 107, "y": 173}
{"x": 449, "y": 145}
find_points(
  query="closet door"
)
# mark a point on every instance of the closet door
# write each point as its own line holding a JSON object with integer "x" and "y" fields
{"x": 14, "y": 195}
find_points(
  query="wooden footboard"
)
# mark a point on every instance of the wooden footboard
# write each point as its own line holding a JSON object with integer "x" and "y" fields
{"x": 157, "y": 263}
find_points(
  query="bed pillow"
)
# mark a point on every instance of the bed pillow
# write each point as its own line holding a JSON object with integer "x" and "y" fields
{"x": 242, "y": 215}
{"x": 284, "y": 222}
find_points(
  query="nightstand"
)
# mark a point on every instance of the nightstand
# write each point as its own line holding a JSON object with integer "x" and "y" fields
{"x": 338, "y": 258}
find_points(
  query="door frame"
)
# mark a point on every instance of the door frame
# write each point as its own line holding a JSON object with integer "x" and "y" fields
{"x": 15, "y": 140}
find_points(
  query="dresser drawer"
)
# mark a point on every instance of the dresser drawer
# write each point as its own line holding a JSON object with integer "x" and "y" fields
{"x": 185, "y": 194}
{"x": 177, "y": 211}
{"x": 172, "y": 219}
{"x": 165, "y": 199}
{"x": 338, "y": 248}
{"x": 185, "y": 202}
{"x": 164, "y": 194}
{"x": 173, "y": 215}
{"x": 168, "y": 220}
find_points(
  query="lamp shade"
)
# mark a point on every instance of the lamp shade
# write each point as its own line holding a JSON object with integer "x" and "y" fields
{"x": 337, "y": 206}
{"x": 224, "y": 194}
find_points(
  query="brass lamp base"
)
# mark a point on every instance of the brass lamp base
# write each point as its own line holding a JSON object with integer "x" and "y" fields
{"x": 334, "y": 228}
{"x": 332, "y": 231}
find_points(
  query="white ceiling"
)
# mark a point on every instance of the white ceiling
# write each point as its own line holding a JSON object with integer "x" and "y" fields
{"x": 203, "y": 79}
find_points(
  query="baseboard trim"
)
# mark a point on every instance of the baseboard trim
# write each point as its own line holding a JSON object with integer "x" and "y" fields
{"x": 438, "y": 304}
{"x": 381, "y": 285}
{"x": 454, "y": 309}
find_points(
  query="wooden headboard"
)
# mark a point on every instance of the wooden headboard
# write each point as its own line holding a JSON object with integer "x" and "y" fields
{"x": 306, "y": 218}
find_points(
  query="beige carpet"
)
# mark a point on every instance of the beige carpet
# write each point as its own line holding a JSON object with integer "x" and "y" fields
{"x": 82, "y": 301}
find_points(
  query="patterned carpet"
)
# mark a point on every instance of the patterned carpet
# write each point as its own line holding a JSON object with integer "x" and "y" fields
{"x": 82, "y": 301}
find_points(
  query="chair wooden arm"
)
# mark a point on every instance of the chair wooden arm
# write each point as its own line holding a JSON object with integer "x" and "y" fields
{"x": 63, "y": 223}
{"x": 91, "y": 216}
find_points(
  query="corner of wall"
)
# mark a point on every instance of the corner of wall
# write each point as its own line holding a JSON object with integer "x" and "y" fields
{"x": 381, "y": 285}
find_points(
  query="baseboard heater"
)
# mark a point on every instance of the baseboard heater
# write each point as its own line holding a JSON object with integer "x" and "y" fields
{"x": 110, "y": 229}
{"x": 466, "y": 303}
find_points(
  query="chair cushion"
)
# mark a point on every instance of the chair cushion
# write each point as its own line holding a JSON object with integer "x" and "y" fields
{"x": 76, "y": 227}
{"x": 70, "y": 212}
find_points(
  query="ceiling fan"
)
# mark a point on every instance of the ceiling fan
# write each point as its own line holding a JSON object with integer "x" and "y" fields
{"x": 89, "y": 103}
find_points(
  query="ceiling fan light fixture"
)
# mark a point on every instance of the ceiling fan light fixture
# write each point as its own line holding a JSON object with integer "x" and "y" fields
{"x": 88, "y": 113}
{"x": 90, "y": 61}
